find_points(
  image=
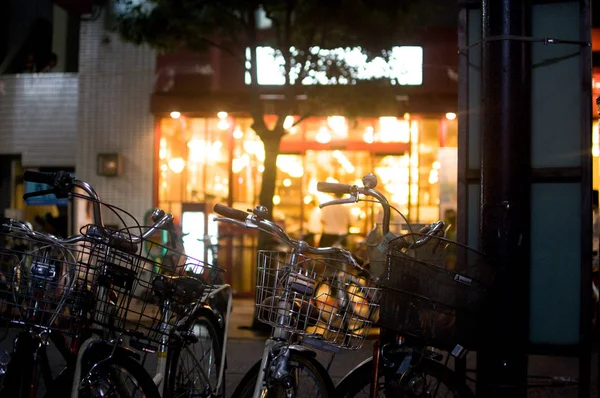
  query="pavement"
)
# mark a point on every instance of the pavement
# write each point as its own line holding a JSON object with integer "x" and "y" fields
{"x": 245, "y": 348}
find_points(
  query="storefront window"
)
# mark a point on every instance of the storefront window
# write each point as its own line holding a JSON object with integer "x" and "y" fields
{"x": 203, "y": 161}
{"x": 248, "y": 157}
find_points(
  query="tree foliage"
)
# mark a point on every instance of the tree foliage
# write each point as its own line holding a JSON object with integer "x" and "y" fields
{"x": 298, "y": 27}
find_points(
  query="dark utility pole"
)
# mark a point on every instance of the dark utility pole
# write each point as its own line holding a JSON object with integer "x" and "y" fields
{"x": 505, "y": 193}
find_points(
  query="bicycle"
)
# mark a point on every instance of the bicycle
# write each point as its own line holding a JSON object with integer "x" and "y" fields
{"x": 303, "y": 317}
{"x": 109, "y": 275}
{"x": 39, "y": 282}
{"x": 429, "y": 284}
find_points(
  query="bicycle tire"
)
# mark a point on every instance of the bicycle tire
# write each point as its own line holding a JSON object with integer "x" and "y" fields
{"x": 357, "y": 383}
{"x": 104, "y": 379}
{"x": 187, "y": 363}
{"x": 298, "y": 362}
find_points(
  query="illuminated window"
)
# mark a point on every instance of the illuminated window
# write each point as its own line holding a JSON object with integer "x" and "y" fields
{"x": 405, "y": 66}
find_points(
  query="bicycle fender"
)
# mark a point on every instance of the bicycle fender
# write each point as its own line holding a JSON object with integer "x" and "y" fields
{"x": 366, "y": 363}
{"x": 301, "y": 350}
{"x": 104, "y": 348}
{"x": 207, "y": 312}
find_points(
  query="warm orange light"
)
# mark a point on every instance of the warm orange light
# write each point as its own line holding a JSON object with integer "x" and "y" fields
{"x": 176, "y": 165}
{"x": 450, "y": 115}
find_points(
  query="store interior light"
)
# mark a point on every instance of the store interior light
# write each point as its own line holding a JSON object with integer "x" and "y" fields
{"x": 288, "y": 124}
{"x": 338, "y": 125}
{"x": 368, "y": 135}
{"x": 323, "y": 136}
{"x": 175, "y": 115}
{"x": 222, "y": 115}
{"x": 238, "y": 133}
{"x": 223, "y": 124}
{"x": 176, "y": 165}
{"x": 433, "y": 176}
{"x": 450, "y": 115}
{"x": 276, "y": 199}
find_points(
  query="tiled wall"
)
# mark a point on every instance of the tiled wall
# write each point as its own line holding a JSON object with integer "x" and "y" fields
{"x": 63, "y": 119}
{"x": 115, "y": 83}
{"x": 38, "y": 118}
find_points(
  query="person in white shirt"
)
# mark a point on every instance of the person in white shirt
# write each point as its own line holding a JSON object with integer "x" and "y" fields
{"x": 336, "y": 222}
{"x": 313, "y": 226}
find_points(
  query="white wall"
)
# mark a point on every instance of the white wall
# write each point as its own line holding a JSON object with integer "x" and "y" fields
{"x": 38, "y": 118}
{"x": 115, "y": 83}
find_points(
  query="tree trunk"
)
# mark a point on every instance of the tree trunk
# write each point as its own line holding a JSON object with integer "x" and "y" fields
{"x": 271, "y": 140}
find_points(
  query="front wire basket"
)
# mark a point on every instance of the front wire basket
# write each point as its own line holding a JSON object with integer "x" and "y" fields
{"x": 318, "y": 298}
{"x": 436, "y": 292}
{"x": 144, "y": 290}
{"x": 37, "y": 278}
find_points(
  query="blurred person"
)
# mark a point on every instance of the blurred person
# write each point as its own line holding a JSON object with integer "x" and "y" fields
{"x": 30, "y": 65}
{"x": 336, "y": 222}
{"x": 314, "y": 226}
{"x": 52, "y": 60}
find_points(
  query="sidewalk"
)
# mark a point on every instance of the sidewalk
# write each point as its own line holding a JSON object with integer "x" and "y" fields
{"x": 241, "y": 315}
{"x": 250, "y": 344}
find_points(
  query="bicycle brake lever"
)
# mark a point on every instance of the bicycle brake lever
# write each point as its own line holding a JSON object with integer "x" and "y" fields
{"x": 352, "y": 199}
{"x": 240, "y": 223}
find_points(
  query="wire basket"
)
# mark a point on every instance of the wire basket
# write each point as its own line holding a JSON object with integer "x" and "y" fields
{"x": 37, "y": 278}
{"x": 318, "y": 298}
{"x": 144, "y": 289}
{"x": 437, "y": 291}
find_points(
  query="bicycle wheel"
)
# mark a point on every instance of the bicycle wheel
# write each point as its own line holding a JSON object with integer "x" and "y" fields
{"x": 310, "y": 380}
{"x": 427, "y": 379}
{"x": 119, "y": 376}
{"x": 193, "y": 367}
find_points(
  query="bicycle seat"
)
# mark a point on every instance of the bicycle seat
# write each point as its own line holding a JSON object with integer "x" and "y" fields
{"x": 183, "y": 289}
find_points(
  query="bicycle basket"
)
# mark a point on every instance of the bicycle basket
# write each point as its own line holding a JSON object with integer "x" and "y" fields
{"x": 437, "y": 291}
{"x": 145, "y": 292}
{"x": 37, "y": 276}
{"x": 315, "y": 297}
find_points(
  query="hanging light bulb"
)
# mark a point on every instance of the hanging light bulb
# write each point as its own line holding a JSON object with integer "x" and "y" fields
{"x": 176, "y": 165}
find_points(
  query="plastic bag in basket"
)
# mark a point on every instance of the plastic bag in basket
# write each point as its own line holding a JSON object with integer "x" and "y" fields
{"x": 344, "y": 304}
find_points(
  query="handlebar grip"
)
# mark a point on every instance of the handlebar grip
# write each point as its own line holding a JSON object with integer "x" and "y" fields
{"x": 333, "y": 187}
{"x": 43, "y": 178}
{"x": 230, "y": 212}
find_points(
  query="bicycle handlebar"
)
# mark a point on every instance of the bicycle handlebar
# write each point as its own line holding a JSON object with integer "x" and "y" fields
{"x": 370, "y": 182}
{"x": 230, "y": 212}
{"x": 257, "y": 221}
{"x": 63, "y": 183}
{"x": 331, "y": 187}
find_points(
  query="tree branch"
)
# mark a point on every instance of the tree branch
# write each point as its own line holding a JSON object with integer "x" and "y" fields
{"x": 256, "y": 109}
{"x": 225, "y": 49}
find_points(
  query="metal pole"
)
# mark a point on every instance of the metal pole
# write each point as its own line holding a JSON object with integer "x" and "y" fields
{"x": 505, "y": 194}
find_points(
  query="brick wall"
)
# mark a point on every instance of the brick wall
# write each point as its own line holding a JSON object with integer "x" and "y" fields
{"x": 115, "y": 83}
{"x": 38, "y": 118}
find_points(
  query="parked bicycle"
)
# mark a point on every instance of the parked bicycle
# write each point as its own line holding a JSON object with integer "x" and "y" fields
{"x": 313, "y": 299}
{"x": 431, "y": 290}
{"x": 86, "y": 300}
{"x": 434, "y": 292}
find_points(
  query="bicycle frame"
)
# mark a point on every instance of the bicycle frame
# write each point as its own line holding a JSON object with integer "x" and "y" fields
{"x": 161, "y": 363}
